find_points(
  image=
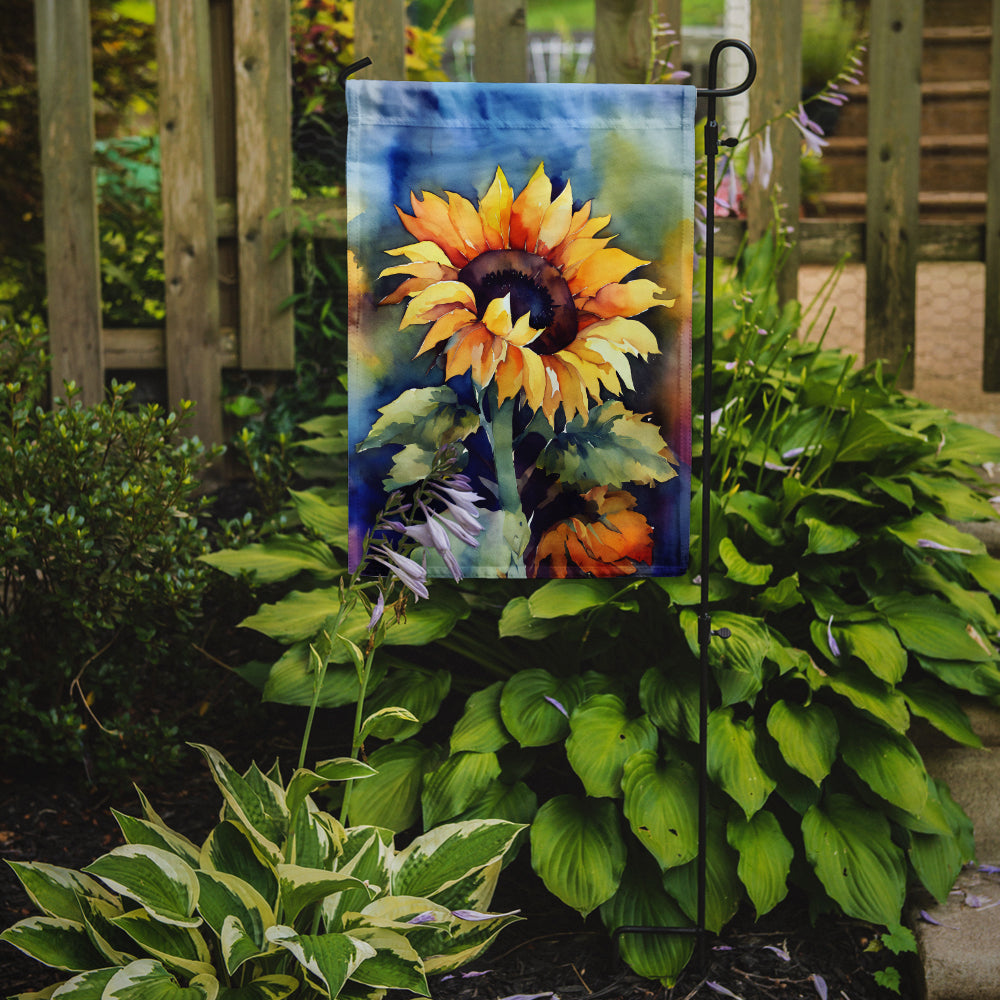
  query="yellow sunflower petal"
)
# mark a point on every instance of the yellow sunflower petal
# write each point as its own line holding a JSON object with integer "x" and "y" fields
{"x": 522, "y": 333}
{"x": 533, "y": 378}
{"x": 587, "y": 372}
{"x": 468, "y": 225}
{"x": 444, "y": 327}
{"x": 497, "y": 317}
{"x": 528, "y": 211}
{"x": 615, "y": 358}
{"x": 433, "y": 302}
{"x": 556, "y": 222}
{"x": 571, "y": 387}
{"x": 627, "y": 334}
{"x": 494, "y": 210}
{"x": 509, "y": 375}
{"x": 627, "y": 299}
{"x": 470, "y": 342}
{"x": 425, "y": 250}
{"x": 425, "y": 274}
{"x": 603, "y": 268}
{"x": 430, "y": 222}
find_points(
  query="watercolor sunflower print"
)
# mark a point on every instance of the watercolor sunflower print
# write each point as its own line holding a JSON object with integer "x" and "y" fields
{"x": 534, "y": 325}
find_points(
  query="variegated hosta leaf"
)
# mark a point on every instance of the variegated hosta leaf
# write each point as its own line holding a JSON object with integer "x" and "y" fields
{"x": 441, "y": 857}
{"x": 116, "y": 947}
{"x": 602, "y": 738}
{"x": 456, "y": 784}
{"x": 86, "y": 986}
{"x": 391, "y": 799}
{"x": 329, "y": 959}
{"x": 177, "y": 947}
{"x": 642, "y": 902}
{"x": 481, "y": 727}
{"x": 661, "y": 798}
{"x": 274, "y": 987}
{"x": 765, "y": 858}
{"x": 535, "y": 706}
{"x": 147, "y": 979}
{"x": 315, "y": 838}
{"x": 230, "y": 849}
{"x": 367, "y": 854}
{"x": 395, "y": 964}
{"x": 468, "y": 939}
{"x": 723, "y": 889}
{"x": 225, "y": 897}
{"x": 301, "y": 887}
{"x": 256, "y": 801}
{"x": 56, "y": 891}
{"x": 851, "y": 849}
{"x": 578, "y": 851}
{"x": 54, "y": 941}
{"x": 732, "y": 760}
{"x": 475, "y": 891}
{"x": 158, "y": 880}
{"x": 807, "y": 736}
{"x": 142, "y": 831}
{"x": 888, "y": 763}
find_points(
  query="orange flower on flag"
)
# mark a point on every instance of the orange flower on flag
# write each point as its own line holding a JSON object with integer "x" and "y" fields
{"x": 523, "y": 293}
{"x": 607, "y": 538}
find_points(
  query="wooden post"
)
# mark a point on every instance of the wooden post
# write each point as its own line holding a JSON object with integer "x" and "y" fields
{"x": 72, "y": 256}
{"x": 991, "y": 333}
{"x": 776, "y": 34}
{"x": 190, "y": 254}
{"x": 261, "y": 57}
{"x": 893, "y": 183}
{"x": 380, "y": 34}
{"x": 501, "y": 41}
{"x": 623, "y": 39}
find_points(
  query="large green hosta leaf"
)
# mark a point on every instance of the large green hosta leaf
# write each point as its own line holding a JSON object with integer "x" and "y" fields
{"x": 415, "y": 689}
{"x": 641, "y": 901}
{"x": 563, "y": 598}
{"x": 481, "y": 728}
{"x": 850, "y": 848}
{"x": 732, "y": 760}
{"x": 941, "y": 709}
{"x": 876, "y": 646}
{"x": 671, "y": 699}
{"x": 661, "y": 806}
{"x": 926, "y": 528}
{"x": 738, "y": 661}
{"x": 226, "y": 897}
{"x": 601, "y": 739}
{"x": 807, "y": 736}
{"x": 535, "y": 706}
{"x": 739, "y": 569}
{"x": 279, "y": 558}
{"x": 456, "y": 784}
{"x": 932, "y": 628}
{"x": 276, "y": 987}
{"x": 888, "y": 763}
{"x": 391, "y": 798}
{"x": 765, "y": 858}
{"x": 578, "y": 851}
{"x": 230, "y": 849}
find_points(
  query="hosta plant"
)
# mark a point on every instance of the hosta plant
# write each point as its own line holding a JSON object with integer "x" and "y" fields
{"x": 279, "y": 900}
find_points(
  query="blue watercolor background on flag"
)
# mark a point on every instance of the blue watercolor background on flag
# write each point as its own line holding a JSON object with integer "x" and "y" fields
{"x": 627, "y": 149}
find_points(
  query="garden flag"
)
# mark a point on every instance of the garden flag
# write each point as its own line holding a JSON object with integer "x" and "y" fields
{"x": 520, "y": 274}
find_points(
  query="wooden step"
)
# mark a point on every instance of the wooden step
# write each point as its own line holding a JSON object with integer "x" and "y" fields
{"x": 956, "y": 53}
{"x": 955, "y": 206}
{"x": 946, "y": 162}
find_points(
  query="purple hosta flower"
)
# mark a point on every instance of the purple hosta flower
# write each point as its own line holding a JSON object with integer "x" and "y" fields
{"x": 531, "y": 996}
{"x": 719, "y": 988}
{"x": 377, "y": 612}
{"x": 927, "y": 918}
{"x": 465, "y": 975}
{"x": 431, "y": 535}
{"x": 461, "y": 504}
{"x": 409, "y": 572}
{"x": 475, "y": 915}
{"x": 427, "y": 917}
{"x": 812, "y": 134}
{"x": 728, "y": 195}
{"x": 761, "y": 163}
{"x": 780, "y": 952}
{"x": 820, "y": 983}
{"x": 928, "y": 543}
{"x": 834, "y": 648}
{"x": 990, "y": 869}
{"x": 552, "y": 701}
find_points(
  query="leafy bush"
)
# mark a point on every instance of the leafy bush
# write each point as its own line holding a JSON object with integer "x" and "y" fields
{"x": 99, "y": 539}
{"x": 854, "y": 604}
{"x": 279, "y": 899}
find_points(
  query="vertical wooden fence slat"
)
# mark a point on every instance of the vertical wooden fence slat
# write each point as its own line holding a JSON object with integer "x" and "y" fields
{"x": 72, "y": 257}
{"x": 776, "y": 36}
{"x": 621, "y": 40}
{"x": 190, "y": 254}
{"x": 261, "y": 57}
{"x": 893, "y": 183}
{"x": 380, "y": 34}
{"x": 501, "y": 41}
{"x": 991, "y": 332}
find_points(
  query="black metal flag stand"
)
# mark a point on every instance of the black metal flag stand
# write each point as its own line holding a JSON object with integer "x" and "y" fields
{"x": 705, "y": 631}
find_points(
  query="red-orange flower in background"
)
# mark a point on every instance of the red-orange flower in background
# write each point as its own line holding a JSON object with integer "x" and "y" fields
{"x": 606, "y": 538}
{"x": 522, "y": 292}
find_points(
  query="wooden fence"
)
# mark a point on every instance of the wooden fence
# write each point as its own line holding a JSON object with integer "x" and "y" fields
{"x": 226, "y": 161}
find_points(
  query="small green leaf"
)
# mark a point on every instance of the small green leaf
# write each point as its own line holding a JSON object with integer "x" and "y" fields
{"x": 807, "y": 736}
{"x": 577, "y": 850}
{"x": 279, "y": 558}
{"x": 738, "y": 569}
{"x": 732, "y": 760}
{"x": 827, "y": 539}
{"x": 671, "y": 699}
{"x": 765, "y": 858}
{"x": 481, "y": 727}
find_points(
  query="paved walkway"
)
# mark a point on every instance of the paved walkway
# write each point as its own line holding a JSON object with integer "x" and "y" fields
{"x": 949, "y": 350}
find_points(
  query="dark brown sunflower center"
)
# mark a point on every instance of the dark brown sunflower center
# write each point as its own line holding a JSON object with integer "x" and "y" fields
{"x": 534, "y": 287}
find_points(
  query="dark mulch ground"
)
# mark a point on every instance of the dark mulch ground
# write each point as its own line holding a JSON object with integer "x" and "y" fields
{"x": 550, "y": 952}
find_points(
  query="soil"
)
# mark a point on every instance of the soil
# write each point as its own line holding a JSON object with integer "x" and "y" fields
{"x": 551, "y": 952}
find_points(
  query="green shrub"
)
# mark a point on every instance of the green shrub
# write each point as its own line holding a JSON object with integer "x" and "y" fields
{"x": 854, "y": 604}
{"x": 279, "y": 900}
{"x": 99, "y": 541}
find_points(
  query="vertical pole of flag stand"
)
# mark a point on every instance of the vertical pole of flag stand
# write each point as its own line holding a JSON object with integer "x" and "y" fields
{"x": 705, "y": 630}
